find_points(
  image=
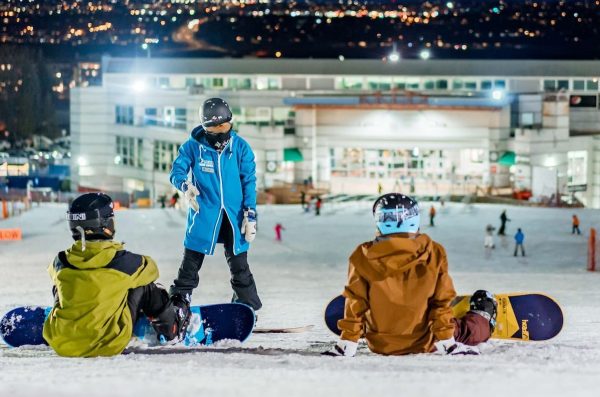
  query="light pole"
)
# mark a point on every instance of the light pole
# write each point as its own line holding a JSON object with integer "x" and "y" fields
{"x": 394, "y": 55}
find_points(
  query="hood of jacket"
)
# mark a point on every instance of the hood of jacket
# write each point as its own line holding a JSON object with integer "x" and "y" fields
{"x": 97, "y": 253}
{"x": 199, "y": 135}
{"x": 391, "y": 254}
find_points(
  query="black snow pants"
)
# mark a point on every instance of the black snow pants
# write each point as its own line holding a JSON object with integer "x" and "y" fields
{"x": 148, "y": 299}
{"x": 242, "y": 281}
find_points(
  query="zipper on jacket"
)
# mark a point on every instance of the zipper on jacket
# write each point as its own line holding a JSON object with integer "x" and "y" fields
{"x": 230, "y": 146}
{"x": 212, "y": 248}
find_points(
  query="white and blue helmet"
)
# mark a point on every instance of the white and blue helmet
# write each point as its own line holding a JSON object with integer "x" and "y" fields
{"x": 396, "y": 213}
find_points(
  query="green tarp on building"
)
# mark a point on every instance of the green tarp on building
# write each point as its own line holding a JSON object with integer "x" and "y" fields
{"x": 292, "y": 154}
{"x": 507, "y": 159}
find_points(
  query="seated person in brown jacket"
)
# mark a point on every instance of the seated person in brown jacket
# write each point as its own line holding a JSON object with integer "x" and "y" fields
{"x": 399, "y": 292}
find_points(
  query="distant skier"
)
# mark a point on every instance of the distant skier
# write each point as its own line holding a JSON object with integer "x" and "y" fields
{"x": 278, "y": 228}
{"x": 489, "y": 237}
{"x": 100, "y": 289}
{"x": 303, "y": 199}
{"x": 431, "y": 216}
{"x": 399, "y": 292}
{"x": 162, "y": 199}
{"x": 575, "y": 225}
{"x": 503, "y": 220}
{"x": 174, "y": 200}
{"x": 222, "y": 197}
{"x": 307, "y": 208}
{"x": 318, "y": 204}
{"x": 519, "y": 240}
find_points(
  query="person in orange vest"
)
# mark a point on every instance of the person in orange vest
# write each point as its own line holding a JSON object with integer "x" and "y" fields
{"x": 4, "y": 208}
{"x": 431, "y": 215}
{"x": 575, "y": 225}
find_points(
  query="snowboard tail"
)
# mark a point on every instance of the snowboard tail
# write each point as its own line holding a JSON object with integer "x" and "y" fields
{"x": 521, "y": 316}
{"x": 24, "y": 326}
{"x": 209, "y": 324}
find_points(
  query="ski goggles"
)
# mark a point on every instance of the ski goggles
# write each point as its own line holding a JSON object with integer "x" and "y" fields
{"x": 398, "y": 215}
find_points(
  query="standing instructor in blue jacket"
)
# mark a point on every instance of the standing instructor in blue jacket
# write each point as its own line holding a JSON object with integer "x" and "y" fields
{"x": 216, "y": 171}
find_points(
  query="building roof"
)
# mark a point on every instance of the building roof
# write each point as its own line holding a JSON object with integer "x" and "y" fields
{"x": 362, "y": 67}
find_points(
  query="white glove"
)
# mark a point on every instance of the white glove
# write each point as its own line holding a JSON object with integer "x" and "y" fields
{"x": 343, "y": 348}
{"x": 191, "y": 192}
{"x": 249, "y": 225}
{"x": 452, "y": 347}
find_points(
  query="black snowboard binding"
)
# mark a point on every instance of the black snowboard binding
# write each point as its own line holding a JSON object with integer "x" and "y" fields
{"x": 171, "y": 324}
{"x": 483, "y": 303}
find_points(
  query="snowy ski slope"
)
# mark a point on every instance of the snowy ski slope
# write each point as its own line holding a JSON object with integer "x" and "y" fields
{"x": 296, "y": 279}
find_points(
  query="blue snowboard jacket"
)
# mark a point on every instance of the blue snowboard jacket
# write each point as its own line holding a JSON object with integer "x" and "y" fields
{"x": 519, "y": 237}
{"x": 227, "y": 184}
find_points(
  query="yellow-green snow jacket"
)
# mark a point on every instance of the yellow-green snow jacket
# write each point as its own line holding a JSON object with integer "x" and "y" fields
{"x": 91, "y": 316}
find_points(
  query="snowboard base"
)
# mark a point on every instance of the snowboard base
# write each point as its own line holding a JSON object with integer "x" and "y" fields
{"x": 209, "y": 324}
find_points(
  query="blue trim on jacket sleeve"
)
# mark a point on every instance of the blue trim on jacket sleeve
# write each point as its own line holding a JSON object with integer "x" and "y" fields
{"x": 248, "y": 175}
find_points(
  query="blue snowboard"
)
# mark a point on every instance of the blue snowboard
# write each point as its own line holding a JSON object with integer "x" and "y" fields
{"x": 521, "y": 316}
{"x": 209, "y": 324}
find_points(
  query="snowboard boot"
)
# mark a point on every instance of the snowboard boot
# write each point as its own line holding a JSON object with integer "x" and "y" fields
{"x": 483, "y": 303}
{"x": 171, "y": 324}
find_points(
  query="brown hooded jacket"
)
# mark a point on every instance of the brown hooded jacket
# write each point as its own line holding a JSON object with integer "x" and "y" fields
{"x": 398, "y": 295}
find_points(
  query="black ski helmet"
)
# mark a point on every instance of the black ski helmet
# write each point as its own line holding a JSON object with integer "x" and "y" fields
{"x": 92, "y": 215}
{"x": 396, "y": 213}
{"x": 215, "y": 111}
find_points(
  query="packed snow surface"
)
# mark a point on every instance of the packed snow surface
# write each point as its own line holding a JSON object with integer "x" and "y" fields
{"x": 296, "y": 279}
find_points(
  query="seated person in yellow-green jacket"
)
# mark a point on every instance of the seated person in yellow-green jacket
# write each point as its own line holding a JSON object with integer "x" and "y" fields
{"x": 100, "y": 289}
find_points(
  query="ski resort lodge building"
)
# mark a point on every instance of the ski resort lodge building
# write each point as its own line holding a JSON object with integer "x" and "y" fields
{"x": 431, "y": 127}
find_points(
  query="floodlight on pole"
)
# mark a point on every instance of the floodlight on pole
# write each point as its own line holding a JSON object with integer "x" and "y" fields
{"x": 498, "y": 95}
{"x": 139, "y": 86}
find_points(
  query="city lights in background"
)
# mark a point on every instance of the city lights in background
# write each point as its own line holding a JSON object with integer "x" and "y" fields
{"x": 456, "y": 26}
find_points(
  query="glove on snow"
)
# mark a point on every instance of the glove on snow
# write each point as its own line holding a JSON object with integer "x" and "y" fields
{"x": 190, "y": 191}
{"x": 343, "y": 348}
{"x": 452, "y": 347}
{"x": 249, "y": 225}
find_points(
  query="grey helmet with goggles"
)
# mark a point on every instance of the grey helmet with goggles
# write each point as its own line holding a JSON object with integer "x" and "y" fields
{"x": 91, "y": 217}
{"x": 396, "y": 213}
